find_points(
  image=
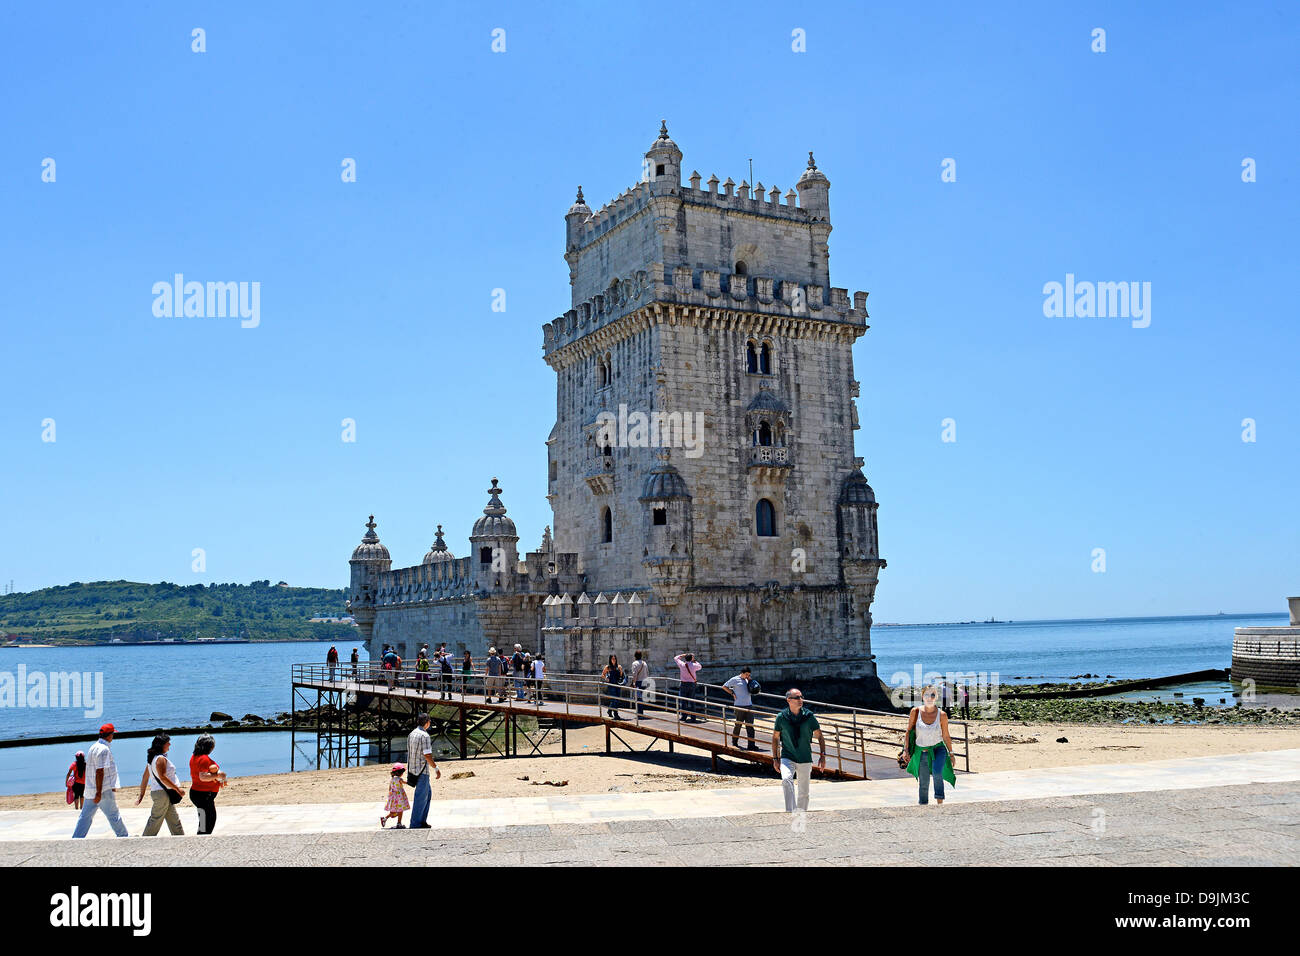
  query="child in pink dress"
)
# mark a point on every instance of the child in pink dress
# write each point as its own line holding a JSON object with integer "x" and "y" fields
{"x": 397, "y": 803}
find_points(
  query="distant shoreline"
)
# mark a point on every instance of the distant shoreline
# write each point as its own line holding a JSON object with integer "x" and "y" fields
{"x": 1088, "y": 620}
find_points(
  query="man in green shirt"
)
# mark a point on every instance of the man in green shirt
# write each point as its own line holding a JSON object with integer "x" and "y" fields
{"x": 792, "y": 748}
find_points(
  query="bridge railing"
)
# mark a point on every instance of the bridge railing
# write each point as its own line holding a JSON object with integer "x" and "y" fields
{"x": 851, "y": 733}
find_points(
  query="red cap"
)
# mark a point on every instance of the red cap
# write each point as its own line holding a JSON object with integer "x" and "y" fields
{"x": 107, "y": 729}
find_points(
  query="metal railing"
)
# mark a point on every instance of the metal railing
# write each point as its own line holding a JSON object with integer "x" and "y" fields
{"x": 852, "y": 734}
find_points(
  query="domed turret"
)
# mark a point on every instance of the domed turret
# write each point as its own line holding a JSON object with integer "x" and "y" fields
{"x": 369, "y": 560}
{"x": 494, "y": 523}
{"x": 856, "y": 490}
{"x": 370, "y": 548}
{"x": 578, "y": 214}
{"x": 669, "y": 531}
{"x": 814, "y": 191}
{"x": 438, "y": 553}
{"x": 495, "y": 542}
{"x": 663, "y": 482}
{"x": 664, "y": 160}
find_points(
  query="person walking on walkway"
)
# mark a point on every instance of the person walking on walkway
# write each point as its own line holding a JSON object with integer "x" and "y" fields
{"x": 466, "y": 672}
{"x": 613, "y": 677}
{"x": 738, "y": 688}
{"x": 792, "y": 737}
{"x": 356, "y": 659}
{"x": 492, "y": 683}
{"x": 965, "y": 702}
{"x": 419, "y": 761}
{"x": 332, "y": 659}
{"x": 539, "y": 675}
{"x": 164, "y": 787}
{"x": 929, "y": 747}
{"x": 518, "y": 663}
{"x": 391, "y": 664}
{"x": 444, "y": 673}
{"x": 206, "y": 780}
{"x": 637, "y": 679}
{"x": 422, "y": 670}
{"x": 101, "y": 781}
{"x": 76, "y": 780}
{"x": 688, "y": 668}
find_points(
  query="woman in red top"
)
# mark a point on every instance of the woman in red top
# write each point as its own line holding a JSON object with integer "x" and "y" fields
{"x": 206, "y": 779}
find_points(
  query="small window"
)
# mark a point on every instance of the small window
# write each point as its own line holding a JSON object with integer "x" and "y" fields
{"x": 659, "y": 169}
{"x": 764, "y": 433}
{"x": 751, "y": 358}
{"x": 555, "y": 470}
{"x": 765, "y": 519}
{"x": 741, "y": 268}
{"x": 607, "y": 526}
{"x": 765, "y": 359}
{"x": 484, "y": 555}
{"x": 661, "y": 516}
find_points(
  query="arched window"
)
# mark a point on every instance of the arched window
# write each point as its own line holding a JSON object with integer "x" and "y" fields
{"x": 765, "y": 519}
{"x": 661, "y": 516}
{"x": 764, "y": 433}
{"x": 751, "y": 358}
{"x": 765, "y": 359}
{"x": 741, "y": 268}
{"x": 606, "y": 525}
{"x": 605, "y": 371}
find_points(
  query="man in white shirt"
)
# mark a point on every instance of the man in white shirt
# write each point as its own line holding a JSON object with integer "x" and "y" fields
{"x": 738, "y": 687}
{"x": 419, "y": 761}
{"x": 101, "y": 781}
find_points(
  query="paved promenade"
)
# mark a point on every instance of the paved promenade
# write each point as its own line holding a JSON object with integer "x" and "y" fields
{"x": 1236, "y": 809}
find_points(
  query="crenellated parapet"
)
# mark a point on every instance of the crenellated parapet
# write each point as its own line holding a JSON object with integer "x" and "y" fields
{"x": 703, "y": 289}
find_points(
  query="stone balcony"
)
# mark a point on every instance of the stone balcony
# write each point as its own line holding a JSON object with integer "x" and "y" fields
{"x": 600, "y": 475}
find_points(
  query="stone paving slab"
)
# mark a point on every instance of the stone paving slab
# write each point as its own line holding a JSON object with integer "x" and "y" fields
{"x": 1211, "y": 825}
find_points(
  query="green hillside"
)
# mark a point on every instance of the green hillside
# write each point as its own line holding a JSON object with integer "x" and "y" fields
{"x": 96, "y": 613}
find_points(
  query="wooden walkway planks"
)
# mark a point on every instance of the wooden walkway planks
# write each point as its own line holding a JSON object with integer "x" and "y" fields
{"x": 841, "y": 759}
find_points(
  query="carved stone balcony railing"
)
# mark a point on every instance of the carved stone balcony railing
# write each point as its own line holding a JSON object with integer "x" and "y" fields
{"x": 770, "y": 455}
{"x": 600, "y": 476}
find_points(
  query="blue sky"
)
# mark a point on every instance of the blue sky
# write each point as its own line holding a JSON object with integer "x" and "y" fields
{"x": 1072, "y": 434}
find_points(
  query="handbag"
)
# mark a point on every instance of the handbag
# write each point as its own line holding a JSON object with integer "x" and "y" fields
{"x": 412, "y": 779}
{"x": 175, "y": 796}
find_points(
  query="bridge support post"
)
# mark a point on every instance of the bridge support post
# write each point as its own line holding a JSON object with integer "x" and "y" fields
{"x": 713, "y": 760}
{"x": 607, "y": 744}
{"x": 464, "y": 744}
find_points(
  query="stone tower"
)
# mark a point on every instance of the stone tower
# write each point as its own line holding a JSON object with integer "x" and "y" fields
{"x": 702, "y": 465}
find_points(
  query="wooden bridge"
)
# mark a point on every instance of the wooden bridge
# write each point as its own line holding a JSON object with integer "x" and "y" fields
{"x": 860, "y": 744}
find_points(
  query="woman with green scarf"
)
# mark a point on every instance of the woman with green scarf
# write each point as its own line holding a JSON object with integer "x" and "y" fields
{"x": 929, "y": 748}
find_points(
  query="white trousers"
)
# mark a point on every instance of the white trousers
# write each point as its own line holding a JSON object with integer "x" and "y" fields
{"x": 789, "y": 771}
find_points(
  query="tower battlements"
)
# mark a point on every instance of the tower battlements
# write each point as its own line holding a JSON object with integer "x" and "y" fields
{"x": 706, "y": 289}
{"x": 747, "y": 245}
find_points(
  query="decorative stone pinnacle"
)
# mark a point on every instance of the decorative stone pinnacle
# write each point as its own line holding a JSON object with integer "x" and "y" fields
{"x": 812, "y": 163}
{"x": 663, "y": 129}
{"x": 580, "y": 199}
{"x": 494, "y": 505}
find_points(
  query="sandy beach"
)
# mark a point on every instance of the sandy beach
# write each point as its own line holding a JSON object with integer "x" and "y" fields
{"x": 995, "y": 746}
